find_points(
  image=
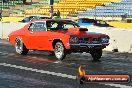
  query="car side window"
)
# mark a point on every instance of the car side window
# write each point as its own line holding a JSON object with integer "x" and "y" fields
{"x": 88, "y": 21}
{"x": 37, "y": 26}
{"x": 65, "y": 26}
{"x": 31, "y": 27}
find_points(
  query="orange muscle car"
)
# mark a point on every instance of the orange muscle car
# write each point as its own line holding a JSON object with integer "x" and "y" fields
{"x": 60, "y": 37}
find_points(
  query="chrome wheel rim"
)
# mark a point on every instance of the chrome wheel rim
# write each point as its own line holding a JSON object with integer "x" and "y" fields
{"x": 59, "y": 50}
{"x": 18, "y": 46}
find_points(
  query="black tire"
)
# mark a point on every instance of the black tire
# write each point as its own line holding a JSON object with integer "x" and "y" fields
{"x": 59, "y": 51}
{"x": 20, "y": 47}
{"x": 96, "y": 54}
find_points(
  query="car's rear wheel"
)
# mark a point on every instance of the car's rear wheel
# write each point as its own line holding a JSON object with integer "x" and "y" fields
{"x": 96, "y": 54}
{"x": 20, "y": 47}
{"x": 59, "y": 51}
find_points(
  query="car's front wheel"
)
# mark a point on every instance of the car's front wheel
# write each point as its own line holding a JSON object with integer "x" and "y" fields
{"x": 59, "y": 51}
{"x": 20, "y": 47}
{"x": 96, "y": 54}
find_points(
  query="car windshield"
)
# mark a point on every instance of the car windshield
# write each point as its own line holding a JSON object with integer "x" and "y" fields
{"x": 88, "y": 21}
{"x": 61, "y": 25}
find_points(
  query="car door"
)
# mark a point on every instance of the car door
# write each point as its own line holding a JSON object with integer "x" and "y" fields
{"x": 37, "y": 35}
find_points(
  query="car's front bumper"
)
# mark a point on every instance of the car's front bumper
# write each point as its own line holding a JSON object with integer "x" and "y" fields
{"x": 88, "y": 46}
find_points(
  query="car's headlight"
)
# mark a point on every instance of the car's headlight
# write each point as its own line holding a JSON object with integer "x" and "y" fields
{"x": 74, "y": 40}
{"x": 105, "y": 39}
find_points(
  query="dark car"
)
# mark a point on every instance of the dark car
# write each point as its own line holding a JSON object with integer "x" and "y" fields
{"x": 101, "y": 23}
{"x": 31, "y": 18}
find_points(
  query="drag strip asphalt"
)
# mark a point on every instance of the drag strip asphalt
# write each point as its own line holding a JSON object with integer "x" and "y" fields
{"x": 38, "y": 65}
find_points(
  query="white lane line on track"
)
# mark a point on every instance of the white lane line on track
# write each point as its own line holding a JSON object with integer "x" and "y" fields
{"x": 4, "y": 53}
{"x": 39, "y": 71}
{"x": 7, "y": 43}
{"x": 56, "y": 74}
{"x": 118, "y": 85}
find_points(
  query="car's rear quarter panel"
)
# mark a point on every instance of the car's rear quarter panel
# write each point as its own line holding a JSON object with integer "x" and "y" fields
{"x": 16, "y": 34}
{"x": 12, "y": 37}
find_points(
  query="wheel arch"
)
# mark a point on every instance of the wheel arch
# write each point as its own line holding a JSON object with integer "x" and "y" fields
{"x": 55, "y": 41}
{"x": 21, "y": 40}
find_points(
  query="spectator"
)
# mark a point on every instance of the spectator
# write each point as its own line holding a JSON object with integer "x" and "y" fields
{"x": 51, "y": 13}
{"x": 5, "y": 1}
{"x": 24, "y": 2}
{"x": 58, "y": 13}
{"x": 55, "y": 16}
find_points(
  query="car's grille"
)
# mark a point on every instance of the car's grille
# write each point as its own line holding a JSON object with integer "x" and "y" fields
{"x": 84, "y": 40}
{"x": 96, "y": 40}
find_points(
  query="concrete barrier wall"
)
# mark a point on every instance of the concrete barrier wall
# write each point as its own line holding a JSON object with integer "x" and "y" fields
{"x": 120, "y": 39}
{"x": 7, "y": 28}
{"x": 1, "y": 30}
